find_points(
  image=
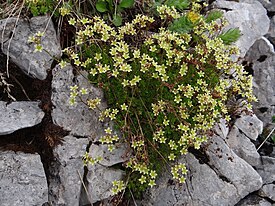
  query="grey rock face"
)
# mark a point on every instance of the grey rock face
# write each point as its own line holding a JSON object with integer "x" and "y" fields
{"x": 65, "y": 184}
{"x": 268, "y": 4}
{"x": 242, "y": 146}
{"x": 268, "y": 191}
{"x": 228, "y": 165}
{"x": 22, "y": 179}
{"x": 254, "y": 200}
{"x": 79, "y": 120}
{"x": 119, "y": 154}
{"x": 19, "y": 115}
{"x": 266, "y": 169}
{"x": 21, "y": 52}
{"x": 224, "y": 180}
{"x": 250, "y": 125}
{"x": 100, "y": 180}
{"x": 246, "y": 16}
{"x": 262, "y": 56}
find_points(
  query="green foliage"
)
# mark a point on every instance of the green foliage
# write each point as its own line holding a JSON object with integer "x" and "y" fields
{"x": 101, "y": 6}
{"x": 126, "y": 3}
{"x": 40, "y": 7}
{"x": 181, "y": 25}
{"x": 178, "y": 4}
{"x": 213, "y": 16}
{"x": 230, "y": 36}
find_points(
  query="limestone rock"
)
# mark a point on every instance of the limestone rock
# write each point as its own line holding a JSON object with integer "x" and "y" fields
{"x": 245, "y": 15}
{"x": 119, "y": 155}
{"x": 21, "y": 52}
{"x": 79, "y": 119}
{"x": 266, "y": 169}
{"x": 250, "y": 125}
{"x": 268, "y": 191}
{"x": 19, "y": 115}
{"x": 65, "y": 182}
{"x": 268, "y": 4}
{"x": 100, "y": 180}
{"x": 253, "y": 200}
{"x": 224, "y": 180}
{"x": 262, "y": 57}
{"x": 242, "y": 146}
{"x": 22, "y": 179}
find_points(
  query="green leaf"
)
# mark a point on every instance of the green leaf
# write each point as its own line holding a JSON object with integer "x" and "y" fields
{"x": 181, "y": 25}
{"x": 213, "y": 16}
{"x": 273, "y": 138}
{"x": 117, "y": 20}
{"x": 178, "y": 4}
{"x": 101, "y": 6}
{"x": 230, "y": 36}
{"x": 126, "y": 3}
{"x": 273, "y": 119}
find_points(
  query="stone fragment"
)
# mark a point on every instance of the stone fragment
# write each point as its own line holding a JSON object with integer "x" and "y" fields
{"x": 242, "y": 146}
{"x": 203, "y": 187}
{"x": 65, "y": 182}
{"x": 254, "y": 200}
{"x": 233, "y": 168}
{"x": 22, "y": 179}
{"x": 268, "y": 191}
{"x": 245, "y": 15}
{"x": 250, "y": 125}
{"x": 19, "y": 115}
{"x": 268, "y": 4}
{"x": 100, "y": 181}
{"x": 119, "y": 155}
{"x": 21, "y": 52}
{"x": 266, "y": 169}
{"x": 224, "y": 180}
{"x": 262, "y": 57}
{"x": 79, "y": 119}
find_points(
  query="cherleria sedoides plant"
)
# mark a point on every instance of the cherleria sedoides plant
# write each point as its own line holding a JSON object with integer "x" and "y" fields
{"x": 167, "y": 78}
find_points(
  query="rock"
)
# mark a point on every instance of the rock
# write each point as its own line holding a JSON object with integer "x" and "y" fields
{"x": 22, "y": 179}
{"x": 242, "y": 146}
{"x": 65, "y": 182}
{"x": 21, "y": 52}
{"x": 232, "y": 168}
{"x": 100, "y": 180}
{"x": 222, "y": 128}
{"x": 268, "y": 191}
{"x": 266, "y": 169}
{"x": 19, "y": 115}
{"x": 253, "y": 200}
{"x": 250, "y": 125}
{"x": 119, "y": 155}
{"x": 246, "y": 16}
{"x": 79, "y": 119}
{"x": 224, "y": 180}
{"x": 262, "y": 57}
{"x": 268, "y": 4}
{"x": 203, "y": 187}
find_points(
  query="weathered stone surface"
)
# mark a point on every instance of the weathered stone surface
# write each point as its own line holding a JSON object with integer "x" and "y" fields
{"x": 19, "y": 115}
{"x": 253, "y": 200}
{"x": 65, "y": 183}
{"x": 268, "y": 191}
{"x": 250, "y": 125}
{"x": 119, "y": 155}
{"x": 246, "y": 15}
{"x": 262, "y": 56}
{"x": 224, "y": 180}
{"x": 222, "y": 128}
{"x": 202, "y": 187}
{"x": 79, "y": 119}
{"x": 268, "y": 4}
{"x": 233, "y": 168}
{"x": 242, "y": 146}
{"x": 21, "y": 52}
{"x": 22, "y": 179}
{"x": 266, "y": 169}
{"x": 100, "y": 180}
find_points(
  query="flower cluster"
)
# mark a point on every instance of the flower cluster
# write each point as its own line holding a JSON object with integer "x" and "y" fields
{"x": 166, "y": 86}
